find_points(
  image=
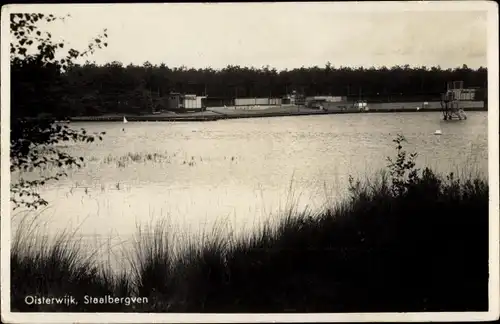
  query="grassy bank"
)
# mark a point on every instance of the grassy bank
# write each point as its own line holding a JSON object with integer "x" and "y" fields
{"x": 408, "y": 240}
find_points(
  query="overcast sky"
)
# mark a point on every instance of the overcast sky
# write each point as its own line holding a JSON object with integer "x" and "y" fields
{"x": 281, "y": 35}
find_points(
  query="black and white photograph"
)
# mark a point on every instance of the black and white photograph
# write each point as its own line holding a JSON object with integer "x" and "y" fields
{"x": 250, "y": 162}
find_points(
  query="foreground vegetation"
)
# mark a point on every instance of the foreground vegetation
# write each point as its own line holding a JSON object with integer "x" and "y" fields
{"x": 408, "y": 240}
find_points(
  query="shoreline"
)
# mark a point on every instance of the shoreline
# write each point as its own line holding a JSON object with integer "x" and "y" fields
{"x": 214, "y": 116}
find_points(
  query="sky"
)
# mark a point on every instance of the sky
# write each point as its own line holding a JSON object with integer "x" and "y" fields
{"x": 280, "y": 35}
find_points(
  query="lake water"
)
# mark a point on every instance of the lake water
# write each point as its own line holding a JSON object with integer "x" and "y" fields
{"x": 238, "y": 172}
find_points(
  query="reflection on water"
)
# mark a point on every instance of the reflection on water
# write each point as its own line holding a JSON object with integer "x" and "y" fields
{"x": 240, "y": 171}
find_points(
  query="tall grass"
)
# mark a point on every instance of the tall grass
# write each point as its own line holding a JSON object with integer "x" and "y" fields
{"x": 406, "y": 240}
{"x": 57, "y": 268}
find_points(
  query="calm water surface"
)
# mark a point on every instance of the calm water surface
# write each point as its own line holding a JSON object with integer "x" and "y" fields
{"x": 239, "y": 172}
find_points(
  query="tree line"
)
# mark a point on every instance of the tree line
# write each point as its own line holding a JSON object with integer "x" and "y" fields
{"x": 91, "y": 89}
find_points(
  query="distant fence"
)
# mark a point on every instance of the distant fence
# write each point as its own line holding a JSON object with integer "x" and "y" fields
{"x": 400, "y": 106}
{"x": 479, "y": 94}
{"x": 396, "y": 98}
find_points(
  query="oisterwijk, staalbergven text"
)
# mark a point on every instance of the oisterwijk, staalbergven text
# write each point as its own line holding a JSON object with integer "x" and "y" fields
{"x": 87, "y": 300}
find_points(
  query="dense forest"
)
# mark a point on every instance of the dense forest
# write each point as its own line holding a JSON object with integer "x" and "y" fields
{"x": 91, "y": 89}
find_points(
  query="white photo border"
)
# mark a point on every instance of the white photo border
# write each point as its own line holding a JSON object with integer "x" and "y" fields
{"x": 490, "y": 7}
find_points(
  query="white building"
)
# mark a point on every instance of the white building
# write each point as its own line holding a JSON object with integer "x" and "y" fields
{"x": 257, "y": 101}
{"x": 179, "y": 102}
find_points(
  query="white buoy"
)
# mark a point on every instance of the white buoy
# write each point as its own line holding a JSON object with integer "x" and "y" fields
{"x": 125, "y": 120}
{"x": 438, "y": 132}
{"x": 418, "y": 108}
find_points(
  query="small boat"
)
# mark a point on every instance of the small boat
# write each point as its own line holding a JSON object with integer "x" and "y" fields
{"x": 125, "y": 120}
{"x": 438, "y": 132}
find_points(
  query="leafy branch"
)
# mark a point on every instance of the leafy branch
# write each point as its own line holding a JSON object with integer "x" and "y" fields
{"x": 36, "y": 83}
{"x": 402, "y": 169}
{"x": 403, "y": 176}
